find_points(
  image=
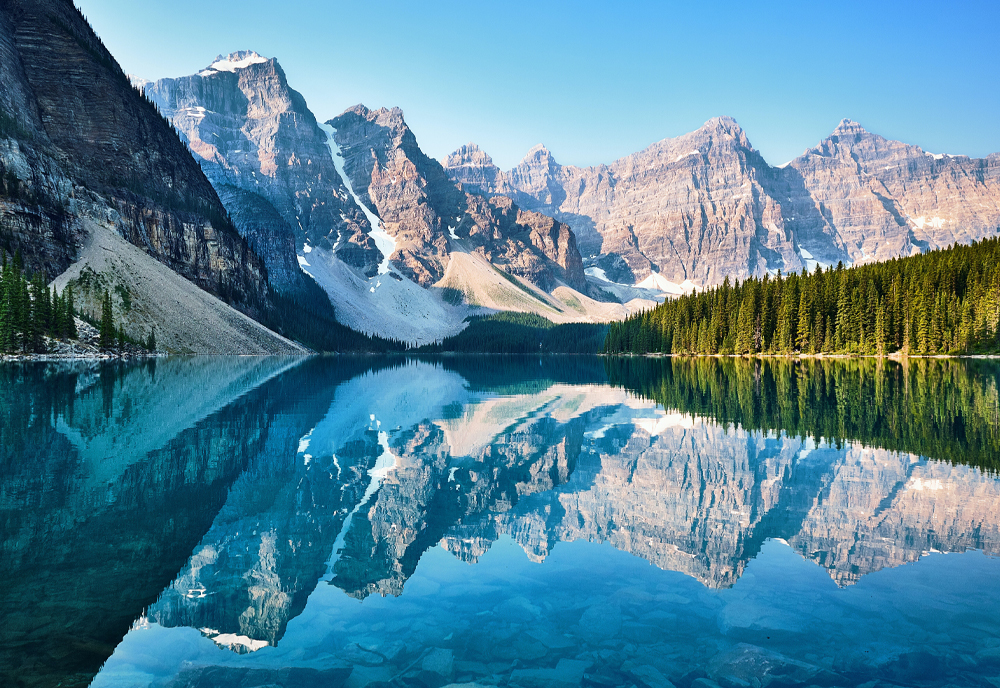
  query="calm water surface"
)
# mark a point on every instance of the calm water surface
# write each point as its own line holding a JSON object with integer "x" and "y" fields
{"x": 525, "y": 522}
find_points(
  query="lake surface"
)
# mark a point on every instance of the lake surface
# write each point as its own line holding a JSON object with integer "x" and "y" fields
{"x": 524, "y": 522}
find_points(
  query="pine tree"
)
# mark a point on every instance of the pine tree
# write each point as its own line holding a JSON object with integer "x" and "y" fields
{"x": 107, "y": 328}
{"x": 71, "y": 331}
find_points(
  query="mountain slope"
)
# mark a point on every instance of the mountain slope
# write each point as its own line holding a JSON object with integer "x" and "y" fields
{"x": 705, "y": 206}
{"x": 253, "y": 132}
{"x": 80, "y": 148}
{"x": 400, "y": 250}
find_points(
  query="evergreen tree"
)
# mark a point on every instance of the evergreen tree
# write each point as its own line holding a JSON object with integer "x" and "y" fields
{"x": 107, "y": 327}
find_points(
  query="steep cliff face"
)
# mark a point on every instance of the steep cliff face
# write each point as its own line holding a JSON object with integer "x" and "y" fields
{"x": 706, "y": 205}
{"x": 373, "y": 220}
{"x": 882, "y": 199}
{"x": 253, "y": 132}
{"x": 425, "y": 213}
{"x": 110, "y": 157}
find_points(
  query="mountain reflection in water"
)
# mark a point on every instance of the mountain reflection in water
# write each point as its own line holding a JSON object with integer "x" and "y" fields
{"x": 286, "y": 521}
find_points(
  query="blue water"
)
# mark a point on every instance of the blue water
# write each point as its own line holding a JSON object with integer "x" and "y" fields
{"x": 525, "y": 523}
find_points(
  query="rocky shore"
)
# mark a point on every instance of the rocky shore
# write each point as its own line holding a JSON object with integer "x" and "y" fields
{"x": 85, "y": 347}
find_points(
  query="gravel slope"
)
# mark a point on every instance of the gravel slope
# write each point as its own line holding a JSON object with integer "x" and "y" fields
{"x": 147, "y": 294}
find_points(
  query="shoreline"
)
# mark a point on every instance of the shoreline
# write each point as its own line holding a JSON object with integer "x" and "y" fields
{"x": 820, "y": 357}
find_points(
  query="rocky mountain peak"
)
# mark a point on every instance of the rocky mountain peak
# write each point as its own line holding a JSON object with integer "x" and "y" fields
{"x": 469, "y": 155}
{"x": 726, "y": 128}
{"x": 538, "y": 154}
{"x": 849, "y": 126}
{"x": 471, "y": 167}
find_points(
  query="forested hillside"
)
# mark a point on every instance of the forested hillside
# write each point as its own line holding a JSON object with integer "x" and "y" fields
{"x": 943, "y": 302}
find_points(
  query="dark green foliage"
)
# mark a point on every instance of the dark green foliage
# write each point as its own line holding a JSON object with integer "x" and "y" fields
{"x": 29, "y": 312}
{"x": 943, "y": 302}
{"x": 521, "y": 333}
{"x": 107, "y": 326}
{"x": 942, "y": 409}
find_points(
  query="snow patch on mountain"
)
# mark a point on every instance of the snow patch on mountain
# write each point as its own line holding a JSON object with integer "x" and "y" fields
{"x": 385, "y": 243}
{"x": 811, "y": 262}
{"x": 389, "y": 306}
{"x": 238, "y": 60}
{"x": 661, "y": 283}
{"x": 925, "y": 222}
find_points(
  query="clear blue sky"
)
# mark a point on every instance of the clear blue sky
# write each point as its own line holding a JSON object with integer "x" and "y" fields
{"x": 597, "y": 80}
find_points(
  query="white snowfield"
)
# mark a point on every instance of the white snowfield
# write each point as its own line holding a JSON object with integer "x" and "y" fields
{"x": 386, "y": 305}
{"x": 811, "y": 262}
{"x": 235, "y": 61}
{"x": 385, "y": 243}
{"x": 658, "y": 281}
{"x": 655, "y": 288}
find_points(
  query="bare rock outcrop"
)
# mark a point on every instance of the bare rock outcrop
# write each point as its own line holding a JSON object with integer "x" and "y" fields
{"x": 253, "y": 132}
{"x": 425, "y": 211}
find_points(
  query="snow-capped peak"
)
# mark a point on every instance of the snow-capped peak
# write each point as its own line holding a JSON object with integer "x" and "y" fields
{"x": 230, "y": 63}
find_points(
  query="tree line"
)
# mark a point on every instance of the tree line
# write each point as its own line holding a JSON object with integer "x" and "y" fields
{"x": 942, "y": 302}
{"x": 30, "y": 312}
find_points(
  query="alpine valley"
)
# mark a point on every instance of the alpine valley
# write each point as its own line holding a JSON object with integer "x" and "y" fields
{"x": 218, "y": 212}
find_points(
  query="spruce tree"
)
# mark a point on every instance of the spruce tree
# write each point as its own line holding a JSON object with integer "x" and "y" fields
{"x": 107, "y": 328}
{"x": 70, "y": 314}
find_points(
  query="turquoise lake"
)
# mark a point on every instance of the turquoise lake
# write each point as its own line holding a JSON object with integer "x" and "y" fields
{"x": 554, "y": 521}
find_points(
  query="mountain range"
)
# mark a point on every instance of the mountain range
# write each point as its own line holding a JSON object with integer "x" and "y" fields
{"x": 219, "y": 211}
{"x": 706, "y": 205}
{"x": 400, "y": 249}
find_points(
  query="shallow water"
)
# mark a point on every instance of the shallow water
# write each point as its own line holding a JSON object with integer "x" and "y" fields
{"x": 524, "y": 522}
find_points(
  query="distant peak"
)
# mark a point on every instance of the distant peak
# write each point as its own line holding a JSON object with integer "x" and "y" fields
{"x": 233, "y": 61}
{"x": 469, "y": 155}
{"x": 538, "y": 154}
{"x": 848, "y": 126}
{"x": 723, "y": 125}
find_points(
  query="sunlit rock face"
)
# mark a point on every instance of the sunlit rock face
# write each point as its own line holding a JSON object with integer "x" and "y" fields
{"x": 705, "y": 205}
{"x": 264, "y": 151}
{"x": 879, "y": 199}
{"x": 425, "y": 212}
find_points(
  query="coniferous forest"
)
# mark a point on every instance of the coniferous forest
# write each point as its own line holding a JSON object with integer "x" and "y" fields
{"x": 29, "y": 311}
{"x": 943, "y": 302}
